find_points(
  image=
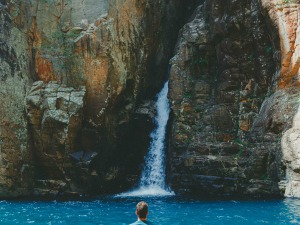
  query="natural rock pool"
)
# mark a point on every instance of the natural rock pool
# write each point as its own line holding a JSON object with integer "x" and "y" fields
{"x": 162, "y": 210}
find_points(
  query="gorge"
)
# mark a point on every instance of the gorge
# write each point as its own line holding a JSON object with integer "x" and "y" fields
{"x": 78, "y": 80}
{"x": 153, "y": 177}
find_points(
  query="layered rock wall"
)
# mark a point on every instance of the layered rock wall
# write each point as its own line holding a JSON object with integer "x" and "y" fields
{"x": 55, "y": 115}
{"x": 220, "y": 76}
{"x": 84, "y": 126}
{"x": 234, "y": 91}
{"x": 118, "y": 50}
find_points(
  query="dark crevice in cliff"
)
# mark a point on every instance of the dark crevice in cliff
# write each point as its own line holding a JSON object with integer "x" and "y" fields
{"x": 125, "y": 139}
{"x": 176, "y": 14}
{"x": 275, "y": 48}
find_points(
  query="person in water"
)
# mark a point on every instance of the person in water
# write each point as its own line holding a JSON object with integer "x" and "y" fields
{"x": 142, "y": 213}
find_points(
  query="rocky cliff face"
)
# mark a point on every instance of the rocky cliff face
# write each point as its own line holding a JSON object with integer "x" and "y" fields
{"x": 15, "y": 78}
{"x": 118, "y": 50}
{"x": 285, "y": 17}
{"x": 234, "y": 97}
{"x": 55, "y": 115}
{"x": 83, "y": 126}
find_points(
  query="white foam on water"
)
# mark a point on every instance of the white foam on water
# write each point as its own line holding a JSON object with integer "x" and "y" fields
{"x": 147, "y": 192}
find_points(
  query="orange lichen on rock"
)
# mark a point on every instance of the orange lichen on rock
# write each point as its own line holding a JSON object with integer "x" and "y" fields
{"x": 96, "y": 71}
{"x": 44, "y": 69}
{"x": 288, "y": 20}
{"x": 285, "y": 16}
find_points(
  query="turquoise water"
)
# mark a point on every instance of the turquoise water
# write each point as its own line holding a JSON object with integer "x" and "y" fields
{"x": 164, "y": 210}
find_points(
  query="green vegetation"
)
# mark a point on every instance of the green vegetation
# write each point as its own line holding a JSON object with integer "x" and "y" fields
{"x": 187, "y": 95}
{"x": 59, "y": 49}
{"x": 281, "y": 2}
{"x": 251, "y": 57}
{"x": 242, "y": 147}
{"x": 199, "y": 108}
{"x": 269, "y": 49}
{"x": 265, "y": 177}
{"x": 200, "y": 61}
{"x": 57, "y": 44}
{"x": 290, "y": 1}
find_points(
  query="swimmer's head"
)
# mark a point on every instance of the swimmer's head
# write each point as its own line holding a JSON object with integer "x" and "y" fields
{"x": 142, "y": 210}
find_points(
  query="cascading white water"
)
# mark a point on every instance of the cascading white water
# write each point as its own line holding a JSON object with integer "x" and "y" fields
{"x": 153, "y": 176}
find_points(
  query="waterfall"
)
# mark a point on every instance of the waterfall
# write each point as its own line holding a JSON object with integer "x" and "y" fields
{"x": 152, "y": 180}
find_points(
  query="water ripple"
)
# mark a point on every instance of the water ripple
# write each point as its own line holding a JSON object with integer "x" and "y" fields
{"x": 162, "y": 210}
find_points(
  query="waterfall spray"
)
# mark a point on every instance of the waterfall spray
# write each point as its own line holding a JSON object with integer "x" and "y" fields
{"x": 152, "y": 180}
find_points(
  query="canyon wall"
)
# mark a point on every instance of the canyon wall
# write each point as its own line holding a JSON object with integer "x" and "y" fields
{"x": 83, "y": 126}
{"x": 235, "y": 96}
{"x": 285, "y": 17}
{"x": 79, "y": 79}
{"x": 15, "y": 150}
